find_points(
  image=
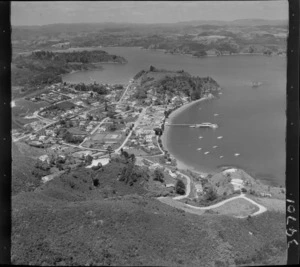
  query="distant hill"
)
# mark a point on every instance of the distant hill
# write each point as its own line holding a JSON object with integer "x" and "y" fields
{"x": 238, "y": 22}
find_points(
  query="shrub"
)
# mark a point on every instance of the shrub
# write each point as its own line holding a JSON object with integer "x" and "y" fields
{"x": 158, "y": 176}
{"x": 180, "y": 187}
{"x": 210, "y": 194}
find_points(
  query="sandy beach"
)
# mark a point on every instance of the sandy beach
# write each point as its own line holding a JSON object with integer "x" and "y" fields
{"x": 180, "y": 165}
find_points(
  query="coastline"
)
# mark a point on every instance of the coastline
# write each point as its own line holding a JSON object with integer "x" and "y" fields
{"x": 180, "y": 164}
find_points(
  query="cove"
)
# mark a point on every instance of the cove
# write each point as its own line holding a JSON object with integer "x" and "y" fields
{"x": 251, "y": 121}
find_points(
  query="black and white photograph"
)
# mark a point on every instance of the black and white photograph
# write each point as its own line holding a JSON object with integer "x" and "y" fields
{"x": 149, "y": 133}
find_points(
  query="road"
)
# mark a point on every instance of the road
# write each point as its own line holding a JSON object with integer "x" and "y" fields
{"x": 20, "y": 138}
{"x": 94, "y": 130}
{"x": 121, "y": 98}
{"x": 137, "y": 122}
{"x": 261, "y": 209}
{"x": 85, "y": 148}
{"x": 188, "y": 179}
{"x": 98, "y": 126}
{"x": 187, "y": 188}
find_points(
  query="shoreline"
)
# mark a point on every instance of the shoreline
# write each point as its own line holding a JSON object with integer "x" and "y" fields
{"x": 180, "y": 164}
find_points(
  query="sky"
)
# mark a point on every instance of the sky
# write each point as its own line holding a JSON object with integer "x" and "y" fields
{"x": 42, "y": 13}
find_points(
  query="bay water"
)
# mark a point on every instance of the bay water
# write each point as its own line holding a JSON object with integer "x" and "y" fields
{"x": 252, "y": 121}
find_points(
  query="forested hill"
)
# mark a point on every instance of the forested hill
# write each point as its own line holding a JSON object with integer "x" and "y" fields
{"x": 78, "y": 56}
{"x": 45, "y": 67}
{"x": 172, "y": 83}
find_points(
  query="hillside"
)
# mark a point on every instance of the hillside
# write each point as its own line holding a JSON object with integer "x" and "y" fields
{"x": 167, "y": 83}
{"x": 239, "y": 36}
{"x": 46, "y": 67}
{"x": 107, "y": 216}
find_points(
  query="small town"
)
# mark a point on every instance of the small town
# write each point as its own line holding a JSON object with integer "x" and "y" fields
{"x": 77, "y": 124}
{"x": 147, "y": 133}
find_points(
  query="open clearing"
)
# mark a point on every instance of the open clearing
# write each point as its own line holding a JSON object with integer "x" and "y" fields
{"x": 237, "y": 207}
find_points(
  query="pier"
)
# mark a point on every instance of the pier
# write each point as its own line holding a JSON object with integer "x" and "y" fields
{"x": 201, "y": 125}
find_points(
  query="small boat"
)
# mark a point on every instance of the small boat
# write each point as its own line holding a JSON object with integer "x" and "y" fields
{"x": 236, "y": 154}
{"x": 207, "y": 152}
{"x": 200, "y": 137}
{"x": 215, "y": 146}
{"x": 221, "y": 157}
{"x": 256, "y": 84}
{"x": 199, "y": 148}
{"x": 216, "y": 114}
{"x": 192, "y": 126}
{"x": 207, "y": 124}
{"x": 220, "y": 137}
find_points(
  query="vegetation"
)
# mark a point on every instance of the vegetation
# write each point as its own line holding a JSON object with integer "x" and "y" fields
{"x": 180, "y": 187}
{"x": 45, "y": 67}
{"x": 158, "y": 176}
{"x": 95, "y": 87}
{"x": 172, "y": 83}
{"x": 114, "y": 198}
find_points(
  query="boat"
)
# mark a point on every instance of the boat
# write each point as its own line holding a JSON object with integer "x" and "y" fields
{"x": 236, "y": 154}
{"x": 256, "y": 84}
{"x": 199, "y": 148}
{"x": 207, "y": 152}
{"x": 192, "y": 126}
{"x": 220, "y": 137}
{"x": 221, "y": 157}
{"x": 207, "y": 124}
{"x": 215, "y": 146}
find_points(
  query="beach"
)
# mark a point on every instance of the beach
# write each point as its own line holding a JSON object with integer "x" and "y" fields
{"x": 180, "y": 165}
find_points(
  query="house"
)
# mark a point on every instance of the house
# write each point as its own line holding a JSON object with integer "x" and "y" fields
{"x": 199, "y": 188}
{"x": 44, "y": 158}
{"x": 42, "y": 138}
{"x": 174, "y": 175}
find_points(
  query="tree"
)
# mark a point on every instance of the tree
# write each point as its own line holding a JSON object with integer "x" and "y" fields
{"x": 109, "y": 150}
{"x": 105, "y": 105}
{"x": 111, "y": 114}
{"x": 112, "y": 127}
{"x": 158, "y": 131}
{"x": 133, "y": 158}
{"x": 180, "y": 187}
{"x": 210, "y": 194}
{"x": 158, "y": 176}
{"x": 88, "y": 159}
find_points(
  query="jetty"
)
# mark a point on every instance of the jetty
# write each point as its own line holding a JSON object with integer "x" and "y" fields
{"x": 200, "y": 125}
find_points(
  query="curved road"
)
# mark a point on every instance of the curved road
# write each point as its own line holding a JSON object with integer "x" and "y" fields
{"x": 261, "y": 209}
{"x": 188, "y": 187}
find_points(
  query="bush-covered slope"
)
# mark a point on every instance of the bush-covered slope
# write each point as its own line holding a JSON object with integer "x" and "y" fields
{"x": 45, "y": 67}
{"x": 73, "y": 220}
{"x": 172, "y": 83}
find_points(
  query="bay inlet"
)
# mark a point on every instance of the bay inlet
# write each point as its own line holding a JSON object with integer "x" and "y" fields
{"x": 251, "y": 132}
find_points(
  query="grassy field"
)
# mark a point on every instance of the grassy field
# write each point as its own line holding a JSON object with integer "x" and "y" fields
{"x": 23, "y": 160}
{"x": 270, "y": 203}
{"x": 239, "y": 207}
{"x": 22, "y": 109}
